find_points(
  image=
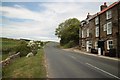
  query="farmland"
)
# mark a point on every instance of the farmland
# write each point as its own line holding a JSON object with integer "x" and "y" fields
{"x": 20, "y": 67}
{"x": 6, "y": 46}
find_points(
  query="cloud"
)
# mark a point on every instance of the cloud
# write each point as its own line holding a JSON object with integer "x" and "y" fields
{"x": 59, "y": 0}
{"x": 40, "y": 24}
{"x": 20, "y": 13}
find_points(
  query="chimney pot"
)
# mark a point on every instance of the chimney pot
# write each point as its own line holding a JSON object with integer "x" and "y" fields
{"x": 104, "y": 3}
{"x": 103, "y": 6}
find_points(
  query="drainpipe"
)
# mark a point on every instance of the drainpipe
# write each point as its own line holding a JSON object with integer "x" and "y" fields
{"x": 99, "y": 25}
{"x": 99, "y": 49}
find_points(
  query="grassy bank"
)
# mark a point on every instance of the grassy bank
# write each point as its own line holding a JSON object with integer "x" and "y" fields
{"x": 31, "y": 67}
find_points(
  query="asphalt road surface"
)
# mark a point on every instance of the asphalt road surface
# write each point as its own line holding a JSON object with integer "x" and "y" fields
{"x": 65, "y": 64}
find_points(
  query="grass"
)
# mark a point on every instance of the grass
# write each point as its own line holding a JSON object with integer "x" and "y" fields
{"x": 5, "y": 44}
{"x": 4, "y": 56}
{"x": 31, "y": 67}
{"x": 8, "y": 43}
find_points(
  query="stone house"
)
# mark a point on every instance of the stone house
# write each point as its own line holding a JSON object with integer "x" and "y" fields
{"x": 86, "y": 34}
{"x": 102, "y": 30}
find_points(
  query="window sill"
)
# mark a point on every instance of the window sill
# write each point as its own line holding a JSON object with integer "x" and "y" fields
{"x": 108, "y": 19}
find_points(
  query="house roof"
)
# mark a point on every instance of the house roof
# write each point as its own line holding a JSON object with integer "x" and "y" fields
{"x": 104, "y": 10}
{"x": 112, "y": 5}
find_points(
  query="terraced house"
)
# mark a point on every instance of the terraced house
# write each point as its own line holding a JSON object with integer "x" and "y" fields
{"x": 100, "y": 33}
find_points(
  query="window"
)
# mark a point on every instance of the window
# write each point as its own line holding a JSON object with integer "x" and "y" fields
{"x": 87, "y": 32}
{"x": 108, "y": 14}
{"x": 109, "y": 28}
{"x": 97, "y": 31}
{"x": 105, "y": 27}
{"x": 90, "y": 44}
{"x": 82, "y": 34}
{"x": 96, "y": 20}
{"x": 96, "y": 45}
{"x": 109, "y": 44}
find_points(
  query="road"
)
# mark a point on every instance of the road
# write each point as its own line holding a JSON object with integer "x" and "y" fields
{"x": 65, "y": 64}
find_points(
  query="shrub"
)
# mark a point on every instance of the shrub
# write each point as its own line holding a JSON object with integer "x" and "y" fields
{"x": 33, "y": 47}
{"x": 22, "y": 48}
{"x": 70, "y": 44}
{"x": 19, "y": 46}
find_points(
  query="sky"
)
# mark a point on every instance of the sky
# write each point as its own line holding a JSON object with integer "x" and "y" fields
{"x": 37, "y": 20}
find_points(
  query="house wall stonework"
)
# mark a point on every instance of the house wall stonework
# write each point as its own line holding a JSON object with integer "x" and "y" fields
{"x": 104, "y": 31}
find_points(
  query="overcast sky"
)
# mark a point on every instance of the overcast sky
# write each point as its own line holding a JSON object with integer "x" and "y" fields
{"x": 38, "y": 20}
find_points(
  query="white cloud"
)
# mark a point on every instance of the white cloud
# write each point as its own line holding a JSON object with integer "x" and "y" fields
{"x": 20, "y": 13}
{"x": 59, "y": 0}
{"x": 43, "y": 23}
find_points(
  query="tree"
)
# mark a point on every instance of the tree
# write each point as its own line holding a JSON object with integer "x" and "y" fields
{"x": 68, "y": 32}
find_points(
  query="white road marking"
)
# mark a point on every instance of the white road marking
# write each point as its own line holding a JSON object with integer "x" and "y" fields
{"x": 103, "y": 70}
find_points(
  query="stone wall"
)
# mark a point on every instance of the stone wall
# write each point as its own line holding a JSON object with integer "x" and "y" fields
{"x": 9, "y": 59}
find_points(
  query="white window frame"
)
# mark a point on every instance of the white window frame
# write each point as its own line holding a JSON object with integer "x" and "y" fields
{"x": 105, "y": 27}
{"x": 82, "y": 34}
{"x": 88, "y": 31}
{"x": 108, "y": 14}
{"x": 108, "y": 44}
{"x": 97, "y": 31}
{"x": 109, "y": 28}
{"x": 96, "y": 20}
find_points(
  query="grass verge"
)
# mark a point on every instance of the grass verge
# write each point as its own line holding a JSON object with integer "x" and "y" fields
{"x": 31, "y": 67}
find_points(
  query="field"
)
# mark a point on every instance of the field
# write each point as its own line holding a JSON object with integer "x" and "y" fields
{"x": 5, "y": 45}
{"x": 22, "y": 67}
{"x": 9, "y": 42}
{"x": 32, "y": 67}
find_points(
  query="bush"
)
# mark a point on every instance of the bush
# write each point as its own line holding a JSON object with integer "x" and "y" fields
{"x": 34, "y": 52}
{"x": 33, "y": 47}
{"x": 70, "y": 44}
{"x": 6, "y": 50}
{"x": 19, "y": 46}
{"x": 22, "y": 48}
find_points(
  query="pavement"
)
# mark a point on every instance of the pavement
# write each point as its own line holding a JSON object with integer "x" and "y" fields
{"x": 91, "y": 54}
{"x": 69, "y": 64}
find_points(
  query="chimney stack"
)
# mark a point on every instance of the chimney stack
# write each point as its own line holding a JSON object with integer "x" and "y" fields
{"x": 103, "y": 6}
{"x": 88, "y": 15}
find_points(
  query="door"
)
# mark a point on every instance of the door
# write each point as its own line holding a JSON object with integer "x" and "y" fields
{"x": 87, "y": 46}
